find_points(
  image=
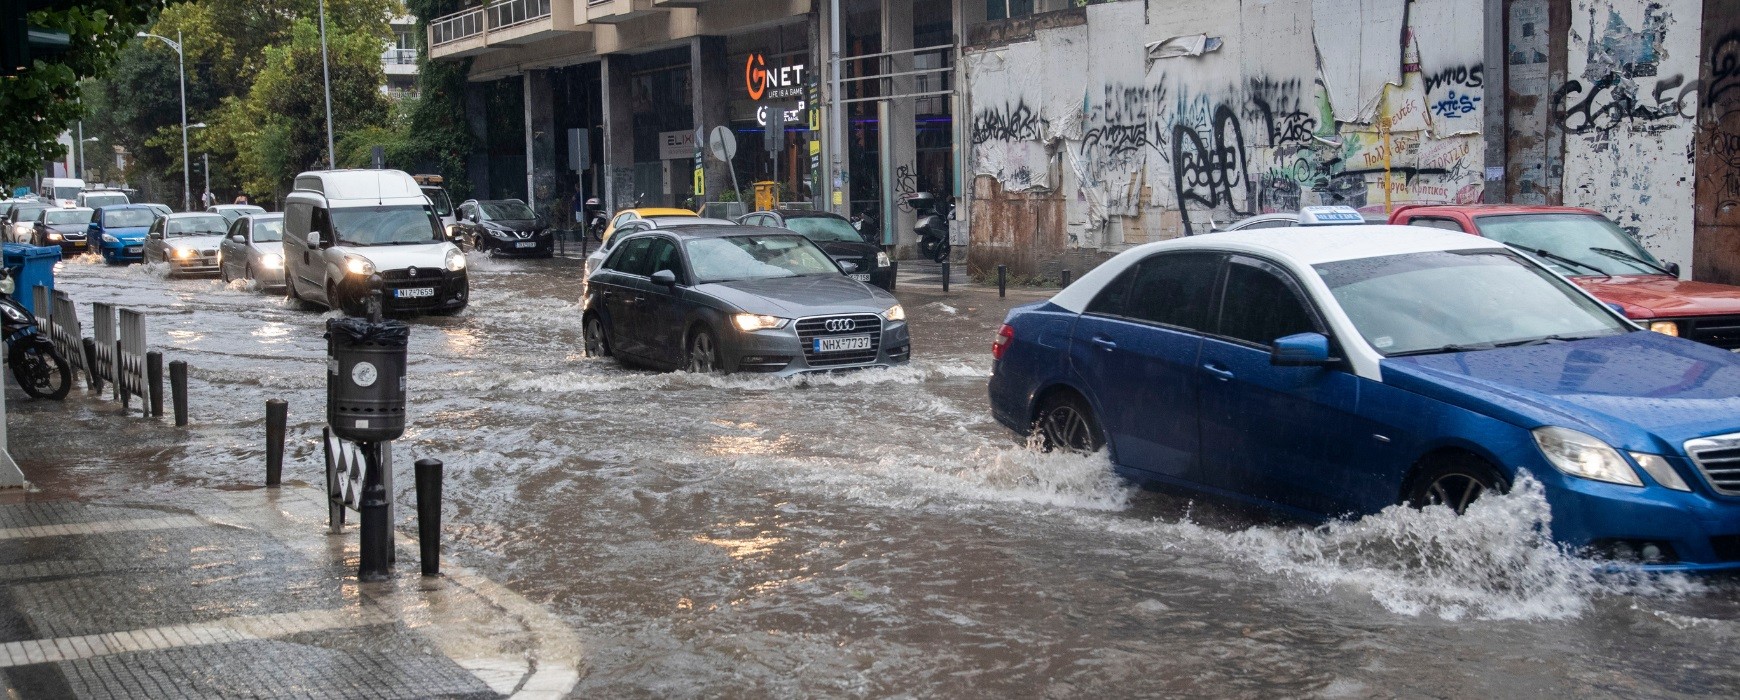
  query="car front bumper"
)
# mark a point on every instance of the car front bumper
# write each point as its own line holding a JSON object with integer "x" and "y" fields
{"x": 124, "y": 251}
{"x": 542, "y": 246}
{"x": 1701, "y": 528}
{"x": 792, "y": 350}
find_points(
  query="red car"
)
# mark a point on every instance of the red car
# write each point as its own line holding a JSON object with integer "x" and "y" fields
{"x": 1600, "y": 257}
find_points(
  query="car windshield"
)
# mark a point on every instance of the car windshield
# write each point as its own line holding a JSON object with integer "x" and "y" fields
{"x": 394, "y": 225}
{"x": 506, "y": 211}
{"x": 438, "y": 198}
{"x": 1442, "y": 301}
{"x": 826, "y": 229}
{"x": 268, "y": 230}
{"x": 200, "y": 225}
{"x": 67, "y": 216}
{"x": 103, "y": 200}
{"x": 66, "y": 192}
{"x": 27, "y": 212}
{"x": 1577, "y": 244}
{"x": 128, "y": 218}
{"x": 757, "y": 257}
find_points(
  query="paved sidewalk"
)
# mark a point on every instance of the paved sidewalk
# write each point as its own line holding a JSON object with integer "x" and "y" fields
{"x": 248, "y": 597}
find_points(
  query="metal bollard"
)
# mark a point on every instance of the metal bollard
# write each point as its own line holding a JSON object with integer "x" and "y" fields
{"x": 92, "y": 379}
{"x": 178, "y": 390}
{"x": 945, "y": 277}
{"x": 375, "y": 560}
{"x": 893, "y": 275}
{"x": 277, "y": 414}
{"x": 1065, "y": 281}
{"x": 429, "y": 514}
{"x": 120, "y": 395}
{"x": 154, "y": 382}
{"x": 1002, "y": 280}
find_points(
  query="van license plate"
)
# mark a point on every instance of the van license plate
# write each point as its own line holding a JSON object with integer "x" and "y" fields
{"x": 855, "y": 342}
{"x": 414, "y": 293}
{"x": 526, "y": 244}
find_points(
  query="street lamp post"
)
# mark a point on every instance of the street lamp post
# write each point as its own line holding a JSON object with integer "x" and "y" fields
{"x": 82, "y": 140}
{"x": 181, "y": 68}
{"x": 326, "y": 78}
{"x": 205, "y": 158}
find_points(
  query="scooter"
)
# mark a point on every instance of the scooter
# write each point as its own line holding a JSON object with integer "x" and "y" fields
{"x": 865, "y": 224}
{"x": 36, "y": 364}
{"x": 596, "y": 220}
{"x": 933, "y": 226}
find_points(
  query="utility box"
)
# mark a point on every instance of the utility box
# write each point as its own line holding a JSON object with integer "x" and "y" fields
{"x": 31, "y": 266}
{"x": 365, "y": 378}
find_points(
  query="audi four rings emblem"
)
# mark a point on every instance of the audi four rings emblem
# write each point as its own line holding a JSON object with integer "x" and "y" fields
{"x": 840, "y": 325}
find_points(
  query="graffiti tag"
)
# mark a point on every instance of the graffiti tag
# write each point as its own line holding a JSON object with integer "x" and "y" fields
{"x": 1016, "y": 122}
{"x": 1211, "y": 173}
{"x": 1613, "y": 100}
{"x": 1453, "y": 106}
{"x": 1465, "y": 76}
{"x": 1724, "y": 68}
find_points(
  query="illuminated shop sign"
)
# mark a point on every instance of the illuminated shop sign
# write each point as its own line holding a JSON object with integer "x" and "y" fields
{"x": 763, "y": 83}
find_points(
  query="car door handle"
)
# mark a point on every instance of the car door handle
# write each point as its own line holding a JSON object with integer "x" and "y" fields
{"x": 1218, "y": 371}
{"x": 1105, "y": 343}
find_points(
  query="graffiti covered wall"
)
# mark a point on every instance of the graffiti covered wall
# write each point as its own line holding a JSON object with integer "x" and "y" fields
{"x": 1149, "y": 121}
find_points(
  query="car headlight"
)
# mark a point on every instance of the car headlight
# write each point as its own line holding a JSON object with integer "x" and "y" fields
{"x": 1665, "y": 328}
{"x": 184, "y": 252}
{"x": 272, "y": 260}
{"x": 358, "y": 265}
{"x": 450, "y": 233}
{"x": 882, "y": 259}
{"x": 455, "y": 260}
{"x": 1585, "y": 456}
{"x": 54, "y": 236}
{"x": 895, "y": 313}
{"x": 1661, "y": 471}
{"x": 758, "y": 322}
{"x": 498, "y": 233}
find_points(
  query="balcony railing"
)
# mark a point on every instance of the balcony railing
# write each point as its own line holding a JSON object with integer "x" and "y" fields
{"x": 399, "y": 57}
{"x": 509, "y": 13}
{"x": 463, "y": 24}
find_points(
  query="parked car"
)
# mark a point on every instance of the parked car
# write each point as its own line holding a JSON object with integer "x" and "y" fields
{"x": 161, "y": 209}
{"x": 62, "y": 227}
{"x": 102, "y": 198}
{"x": 1309, "y": 216}
{"x": 835, "y": 234}
{"x": 231, "y": 212}
{"x": 431, "y": 185}
{"x": 118, "y": 231}
{"x": 595, "y": 259}
{"x": 737, "y": 298}
{"x": 253, "y": 249}
{"x": 504, "y": 227}
{"x": 187, "y": 241}
{"x": 342, "y": 227}
{"x": 627, "y": 215}
{"x": 1601, "y": 257}
{"x": 20, "y": 221}
{"x": 1341, "y": 370}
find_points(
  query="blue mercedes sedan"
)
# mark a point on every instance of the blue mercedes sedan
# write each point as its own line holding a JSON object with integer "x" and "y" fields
{"x": 1334, "y": 372}
{"x": 118, "y": 232}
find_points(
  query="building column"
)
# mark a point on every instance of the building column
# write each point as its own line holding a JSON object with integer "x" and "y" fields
{"x": 618, "y": 158}
{"x": 541, "y": 162}
{"x": 477, "y": 117}
{"x": 898, "y": 133}
{"x": 711, "y": 89}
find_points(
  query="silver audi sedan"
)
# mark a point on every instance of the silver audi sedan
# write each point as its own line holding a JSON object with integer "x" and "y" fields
{"x": 254, "y": 250}
{"x": 737, "y": 299}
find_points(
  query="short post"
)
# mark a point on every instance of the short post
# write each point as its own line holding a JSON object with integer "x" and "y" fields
{"x": 584, "y": 235}
{"x": 92, "y": 379}
{"x": 429, "y": 514}
{"x": 1065, "y": 279}
{"x": 893, "y": 274}
{"x": 1002, "y": 280}
{"x": 120, "y": 371}
{"x": 374, "y": 562}
{"x": 277, "y": 414}
{"x": 154, "y": 382}
{"x": 178, "y": 390}
{"x": 945, "y": 277}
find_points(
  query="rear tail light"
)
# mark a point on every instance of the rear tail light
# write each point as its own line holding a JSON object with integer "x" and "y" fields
{"x": 1005, "y": 336}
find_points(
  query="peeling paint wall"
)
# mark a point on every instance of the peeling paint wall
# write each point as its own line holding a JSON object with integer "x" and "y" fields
{"x": 1150, "y": 121}
{"x": 1627, "y": 109}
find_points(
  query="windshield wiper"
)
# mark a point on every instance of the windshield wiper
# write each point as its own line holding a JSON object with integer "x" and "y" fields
{"x": 1622, "y": 255}
{"x": 1550, "y": 255}
{"x": 1443, "y": 349}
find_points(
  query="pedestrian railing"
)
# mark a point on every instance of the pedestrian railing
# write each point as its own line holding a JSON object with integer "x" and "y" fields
{"x": 68, "y": 335}
{"x": 42, "y": 305}
{"x": 130, "y": 379}
{"x": 103, "y": 333}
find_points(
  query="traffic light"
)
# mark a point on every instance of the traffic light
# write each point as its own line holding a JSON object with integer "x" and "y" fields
{"x": 21, "y": 44}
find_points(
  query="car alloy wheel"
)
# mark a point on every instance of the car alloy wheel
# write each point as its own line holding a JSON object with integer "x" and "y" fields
{"x": 1454, "y": 490}
{"x": 703, "y": 353}
{"x": 1455, "y": 482}
{"x": 597, "y": 344}
{"x": 1067, "y": 423}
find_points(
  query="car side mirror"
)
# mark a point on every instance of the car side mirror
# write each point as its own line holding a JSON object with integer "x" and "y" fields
{"x": 1617, "y": 308}
{"x": 313, "y": 239}
{"x": 1673, "y": 269}
{"x": 239, "y": 237}
{"x": 1301, "y": 350}
{"x": 664, "y": 278}
{"x": 155, "y": 235}
{"x": 849, "y": 266}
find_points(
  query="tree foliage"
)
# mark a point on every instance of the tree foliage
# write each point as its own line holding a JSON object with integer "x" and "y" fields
{"x": 438, "y": 137}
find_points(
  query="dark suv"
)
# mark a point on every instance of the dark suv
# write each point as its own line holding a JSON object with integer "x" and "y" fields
{"x": 835, "y": 235}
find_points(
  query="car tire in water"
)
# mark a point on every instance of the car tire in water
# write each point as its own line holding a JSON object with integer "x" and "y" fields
{"x": 1455, "y": 481}
{"x": 703, "y": 355}
{"x": 42, "y": 372}
{"x": 597, "y": 339}
{"x": 1067, "y": 423}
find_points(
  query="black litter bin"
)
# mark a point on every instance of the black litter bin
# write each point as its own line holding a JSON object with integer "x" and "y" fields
{"x": 365, "y": 378}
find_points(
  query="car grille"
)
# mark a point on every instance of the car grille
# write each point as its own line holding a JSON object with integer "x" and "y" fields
{"x": 1720, "y": 331}
{"x": 1719, "y": 459}
{"x": 809, "y": 329}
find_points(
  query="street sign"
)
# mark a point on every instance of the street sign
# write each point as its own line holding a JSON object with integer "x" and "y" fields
{"x": 775, "y": 141}
{"x": 722, "y": 144}
{"x": 579, "y": 149}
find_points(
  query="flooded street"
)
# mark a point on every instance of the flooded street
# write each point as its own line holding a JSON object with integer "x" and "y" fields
{"x": 876, "y": 533}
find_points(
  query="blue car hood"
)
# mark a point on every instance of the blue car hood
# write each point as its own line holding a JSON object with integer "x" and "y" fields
{"x": 1623, "y": 388}
{"x": 128, "y": 233}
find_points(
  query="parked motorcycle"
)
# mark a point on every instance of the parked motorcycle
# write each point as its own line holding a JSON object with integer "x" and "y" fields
{"x": 933, "y": 225}
{"x": 596, "y": 219}
{"x": 36, "y": 364}
{"x": 865, "y": 224}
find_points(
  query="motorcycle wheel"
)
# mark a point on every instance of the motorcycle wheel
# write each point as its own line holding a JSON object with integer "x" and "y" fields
{"x": 42, "y": 373}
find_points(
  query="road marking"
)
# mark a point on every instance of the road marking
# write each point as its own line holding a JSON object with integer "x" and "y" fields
{"x": 222, "y": 631}
{"x": 102, "y": 527}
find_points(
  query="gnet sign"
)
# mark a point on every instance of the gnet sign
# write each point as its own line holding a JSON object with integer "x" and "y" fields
{"x": 777, "y": 83}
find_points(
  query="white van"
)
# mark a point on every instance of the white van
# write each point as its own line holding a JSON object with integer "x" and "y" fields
{"x": 63, "y": 190}
{"x": 342, "y": 226}
{"x": 102, "y": 198}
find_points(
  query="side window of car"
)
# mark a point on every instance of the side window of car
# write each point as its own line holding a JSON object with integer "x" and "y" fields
{"x": 1445, "y": 224}
{"x": 1272, "y": 223}
{"x": 631, "y": 258}
{"x": 623, "y": 218}
{"x": 297, "y": 219}
{"x": 663, "y": 255}
{"x": 1260, "y": 306}
{"x": 1175, "y": 289}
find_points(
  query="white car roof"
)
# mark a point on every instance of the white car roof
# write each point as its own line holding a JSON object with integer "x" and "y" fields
{"x": 1304, "y": 246}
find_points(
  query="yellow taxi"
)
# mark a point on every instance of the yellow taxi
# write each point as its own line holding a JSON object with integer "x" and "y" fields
{"x": 627, "y": 215}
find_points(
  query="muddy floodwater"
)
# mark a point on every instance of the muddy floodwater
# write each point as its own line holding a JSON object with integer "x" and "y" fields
{"x": 877, "y": 533}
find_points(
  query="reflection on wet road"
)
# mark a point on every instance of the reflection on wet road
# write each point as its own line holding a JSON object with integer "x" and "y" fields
{"x": 877, "y": 533}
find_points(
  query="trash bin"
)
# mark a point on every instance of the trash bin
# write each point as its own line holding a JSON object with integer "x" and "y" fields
{"x": 365, "y": 378}
{"x": 30, "y": 266}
